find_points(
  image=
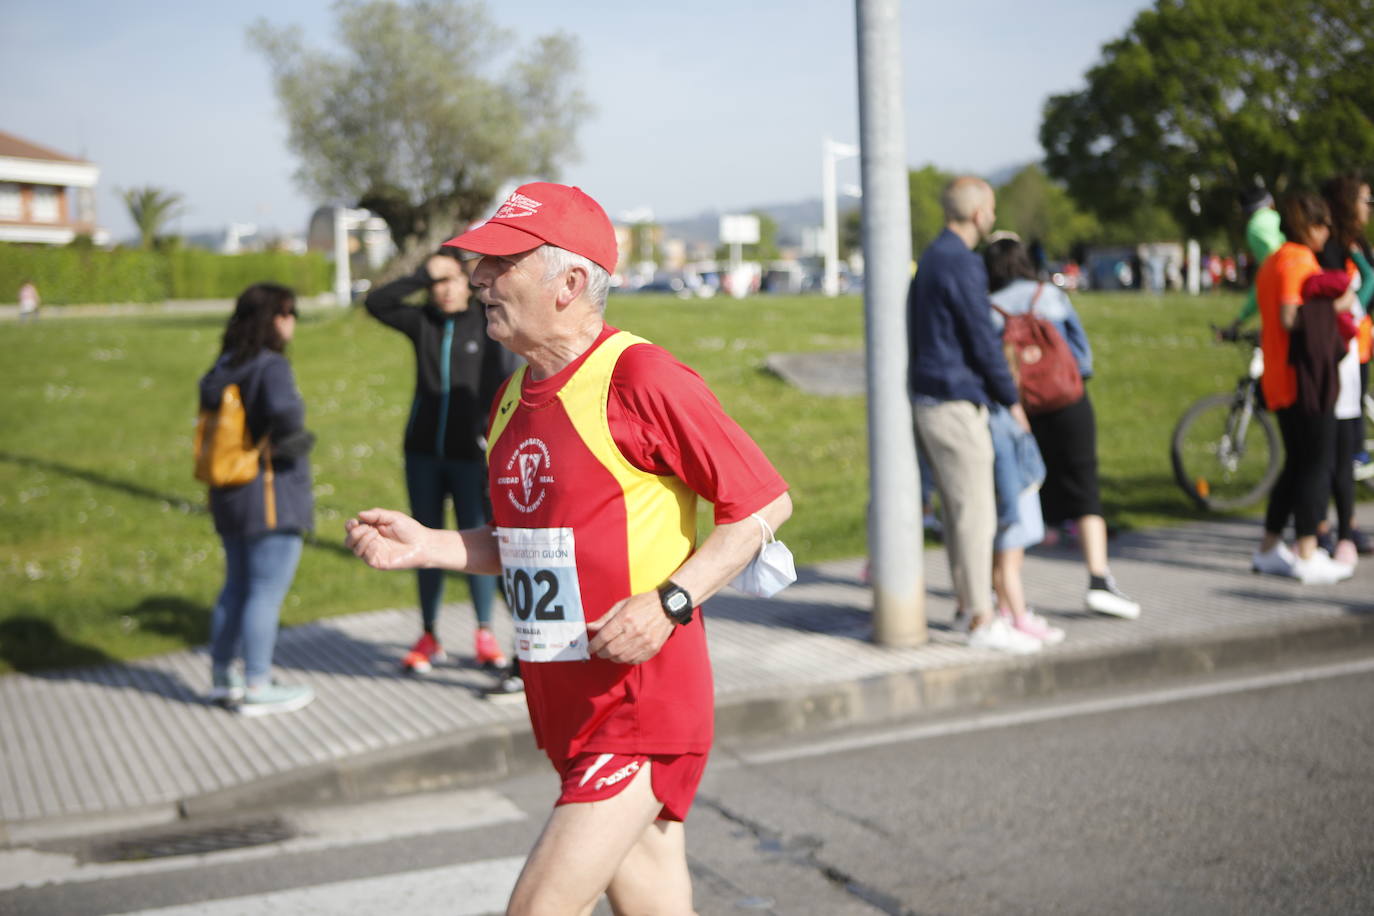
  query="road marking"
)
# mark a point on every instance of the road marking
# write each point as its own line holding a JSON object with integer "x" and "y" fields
{"x": 1062, "y": 711}
{"x": 317, "y": 829}
{"x": 456, "y": 890}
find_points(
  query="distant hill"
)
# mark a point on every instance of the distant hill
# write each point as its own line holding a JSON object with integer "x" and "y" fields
{"x": 791, "y": 218}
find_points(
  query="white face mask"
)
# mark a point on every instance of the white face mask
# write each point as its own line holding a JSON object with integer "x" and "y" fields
{"x": 771, "y": 570}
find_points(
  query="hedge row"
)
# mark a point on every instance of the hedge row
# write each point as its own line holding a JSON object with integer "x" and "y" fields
{"x": 77, "y": 276}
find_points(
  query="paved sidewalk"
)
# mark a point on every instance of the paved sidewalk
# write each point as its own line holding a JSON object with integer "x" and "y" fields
{"x": 117, "y": 746}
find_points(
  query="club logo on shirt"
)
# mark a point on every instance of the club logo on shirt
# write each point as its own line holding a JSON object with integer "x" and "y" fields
{"x": 527, "y": 475}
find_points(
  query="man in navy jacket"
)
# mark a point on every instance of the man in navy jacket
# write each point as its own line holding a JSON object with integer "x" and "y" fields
{"x": 957, "y": 370}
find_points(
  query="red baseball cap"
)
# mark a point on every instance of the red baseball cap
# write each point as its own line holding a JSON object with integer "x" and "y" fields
{"x": 544, "y": 213}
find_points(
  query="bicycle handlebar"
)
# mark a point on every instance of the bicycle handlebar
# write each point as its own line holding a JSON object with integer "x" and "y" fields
{"x": 1233, "y": 334}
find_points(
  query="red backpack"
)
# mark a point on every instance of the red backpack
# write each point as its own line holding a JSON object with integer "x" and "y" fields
{"x": 1040, "y": 360}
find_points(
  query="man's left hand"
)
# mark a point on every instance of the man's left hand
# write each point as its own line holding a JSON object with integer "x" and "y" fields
{"x": 632, "y": 631}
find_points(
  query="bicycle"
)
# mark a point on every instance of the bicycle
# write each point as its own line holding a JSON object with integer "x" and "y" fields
{"x": 1225, "y": 448}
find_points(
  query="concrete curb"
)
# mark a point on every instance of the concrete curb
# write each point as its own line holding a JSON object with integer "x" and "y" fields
{"x": 474, "y": 757}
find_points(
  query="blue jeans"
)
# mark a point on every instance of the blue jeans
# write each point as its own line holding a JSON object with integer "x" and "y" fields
{"x": 258, "y": 573}
{"x": 429, "y": 479}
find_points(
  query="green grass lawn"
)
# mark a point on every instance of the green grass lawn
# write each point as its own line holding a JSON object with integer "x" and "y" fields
{"x": 108, "y": 552}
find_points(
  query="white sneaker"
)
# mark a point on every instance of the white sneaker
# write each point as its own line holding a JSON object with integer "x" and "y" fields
{"x": 999, "y": 636}
{"x": 1112, "y": 600}
{"x": 1277, "y": 561}
{"x": 1320, "y": 569}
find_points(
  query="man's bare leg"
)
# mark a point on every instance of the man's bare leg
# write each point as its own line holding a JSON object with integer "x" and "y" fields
{"x": 653, "y": 880}
{"x": 584, "y": 847}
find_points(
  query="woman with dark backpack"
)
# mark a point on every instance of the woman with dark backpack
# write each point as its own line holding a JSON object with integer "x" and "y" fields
{"x": 261, "y": 523}
{"x": 1067, "y": 436}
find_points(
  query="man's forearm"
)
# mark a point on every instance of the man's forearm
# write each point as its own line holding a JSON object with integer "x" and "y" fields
{"x": 727, "y": 550}
{"x": 472, "y": 550}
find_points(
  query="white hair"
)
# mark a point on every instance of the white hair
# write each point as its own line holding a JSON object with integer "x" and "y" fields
{"x": 557, "y": 260}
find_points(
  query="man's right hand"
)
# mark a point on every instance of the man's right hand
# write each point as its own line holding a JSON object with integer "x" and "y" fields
{"x": 385, "y": 539}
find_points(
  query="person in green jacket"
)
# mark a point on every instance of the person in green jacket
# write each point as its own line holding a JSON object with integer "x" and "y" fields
{"x": 1263, "y": 237}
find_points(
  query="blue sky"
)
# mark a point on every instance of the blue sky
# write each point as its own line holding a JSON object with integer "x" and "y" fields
{"x": 700, "y": 106}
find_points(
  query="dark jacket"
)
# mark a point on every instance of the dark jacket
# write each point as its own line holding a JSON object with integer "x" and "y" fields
{"x": 457, "y": 370}
{"x": 956, "y": 355}
{"x": 1314, "y": 349}
{"x": 275, "y": 408}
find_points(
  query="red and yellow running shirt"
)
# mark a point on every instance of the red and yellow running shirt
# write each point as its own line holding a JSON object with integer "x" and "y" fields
{"x": 594, "y": 476}
{"x": 1279, "y": 283}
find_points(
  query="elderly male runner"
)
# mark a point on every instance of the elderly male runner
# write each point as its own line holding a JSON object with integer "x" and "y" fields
{"x": 598, "y": 451}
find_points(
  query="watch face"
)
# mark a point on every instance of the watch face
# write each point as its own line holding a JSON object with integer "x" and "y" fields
{"x": 677, "y": 601}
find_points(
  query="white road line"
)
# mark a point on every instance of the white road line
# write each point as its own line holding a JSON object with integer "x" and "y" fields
{"x": 1061, "y": 711}
{"x": 455, "y": 890}
{"x": 316, "y": 829}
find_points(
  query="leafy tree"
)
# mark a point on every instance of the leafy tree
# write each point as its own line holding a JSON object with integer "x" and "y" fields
{"x": 151, "y": 209}
{"x": 424, "y": 112}
{"x": 925, "y": 186}
{"x": 1201, "y": 99}
{"x": 1034, "y": 207}
{"x": 644, "y": 242}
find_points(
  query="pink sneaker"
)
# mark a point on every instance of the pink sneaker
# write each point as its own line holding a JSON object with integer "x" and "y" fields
{"x": 488, "y": 653}
{"x": 1346, "y": 554}
{"x": 1032, "y": 624}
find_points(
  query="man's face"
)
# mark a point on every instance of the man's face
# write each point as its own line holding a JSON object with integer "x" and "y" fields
{"x": 520, "y": 304}
{"x": 449, "y": 291}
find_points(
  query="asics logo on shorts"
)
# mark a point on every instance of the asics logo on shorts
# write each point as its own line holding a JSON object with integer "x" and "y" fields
{"x": 624, "y": 772}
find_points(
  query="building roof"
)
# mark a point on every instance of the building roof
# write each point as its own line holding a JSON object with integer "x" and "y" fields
{"x": 19, "y": 148}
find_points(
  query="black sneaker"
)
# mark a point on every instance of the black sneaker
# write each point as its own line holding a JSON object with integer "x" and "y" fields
{"x": 508, "y": 685}
{"x": 1327, "y": 541}
{"x": 1361, "y": 541}
{"x": 1105, "y": 598}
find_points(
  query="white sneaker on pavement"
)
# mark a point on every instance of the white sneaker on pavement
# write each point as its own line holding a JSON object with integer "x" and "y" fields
{"x": 1277, "y": 561}
{"x": 1320, "y": 569}
{"x": 1109, "y": 599}
{"x": 998, "y": 635}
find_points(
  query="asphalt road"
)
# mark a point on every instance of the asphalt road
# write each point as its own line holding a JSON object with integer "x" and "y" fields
{"x": 1251, "y": 793}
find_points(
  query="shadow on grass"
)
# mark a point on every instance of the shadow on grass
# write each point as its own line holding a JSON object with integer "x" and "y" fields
{"x": 133, "y": 488}
{"x": 30, "y": 644}
{"x": 174, "y": 616}
{"x": 103, "y": 480}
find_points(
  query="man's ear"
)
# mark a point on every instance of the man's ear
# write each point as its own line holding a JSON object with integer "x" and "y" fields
{"x": 572, "y": 285}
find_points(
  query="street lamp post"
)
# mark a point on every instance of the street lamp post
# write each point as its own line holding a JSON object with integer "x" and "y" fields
{"x": 344, "y": 220}
{"x": 895, "y": 534}
{"x": 831, "y": 153}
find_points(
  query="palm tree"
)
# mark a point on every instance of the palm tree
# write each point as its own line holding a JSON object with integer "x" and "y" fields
{"x": 151, "y": 209}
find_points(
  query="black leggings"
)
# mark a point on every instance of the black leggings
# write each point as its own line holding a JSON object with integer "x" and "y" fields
{"x": 1348, "y": 436}
{"x": 1304, "y": 484}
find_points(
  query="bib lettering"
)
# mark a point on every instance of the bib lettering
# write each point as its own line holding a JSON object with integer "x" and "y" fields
{"x": 539, "y": 572}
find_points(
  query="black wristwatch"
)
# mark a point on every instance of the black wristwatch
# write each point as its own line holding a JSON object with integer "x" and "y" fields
{"x": 677, "y": 604}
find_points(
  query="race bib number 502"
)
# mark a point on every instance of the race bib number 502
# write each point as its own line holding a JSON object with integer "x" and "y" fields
{"x": 539, "y": 570}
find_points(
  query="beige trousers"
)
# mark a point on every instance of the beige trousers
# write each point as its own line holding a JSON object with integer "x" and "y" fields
{"x": 954, "y": 436}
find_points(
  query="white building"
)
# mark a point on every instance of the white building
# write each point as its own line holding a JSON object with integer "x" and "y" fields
{"x": 46, "y": 197}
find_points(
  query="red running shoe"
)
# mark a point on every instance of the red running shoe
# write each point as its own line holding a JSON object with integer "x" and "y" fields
{"x": 488, "y": 653}
{"x": 421, "y": 655}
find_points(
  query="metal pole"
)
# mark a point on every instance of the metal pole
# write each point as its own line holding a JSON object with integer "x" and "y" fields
{"x": 343, "y": 293}
{"x": 829, "y": 220}
{"x": 895, "y": 537}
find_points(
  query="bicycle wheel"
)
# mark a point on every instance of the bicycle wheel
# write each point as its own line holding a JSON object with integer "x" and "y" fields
{"x": 1216, "y": 472}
